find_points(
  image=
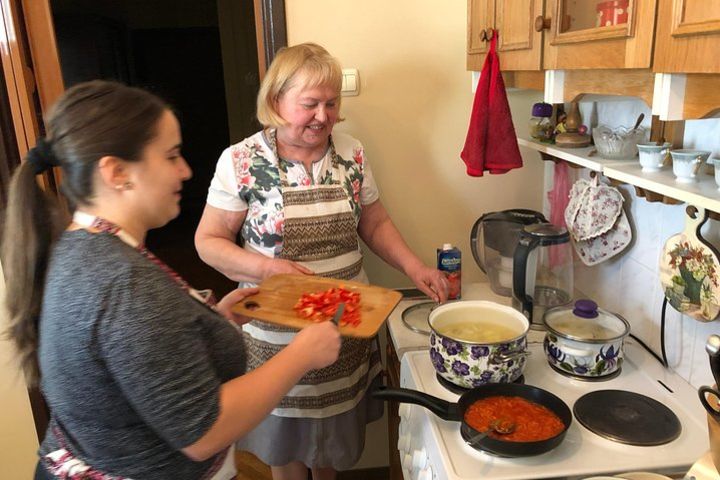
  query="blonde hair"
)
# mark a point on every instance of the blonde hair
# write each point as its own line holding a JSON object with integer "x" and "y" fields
{"x": 307, "y": 61}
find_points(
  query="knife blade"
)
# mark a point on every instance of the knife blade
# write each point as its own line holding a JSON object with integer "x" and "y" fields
{"x": 338, "y": 313}
{"x": 713, "y": 349}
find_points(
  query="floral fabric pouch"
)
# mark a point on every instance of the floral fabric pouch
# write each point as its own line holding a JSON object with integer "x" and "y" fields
{"x": 596, "y": 221}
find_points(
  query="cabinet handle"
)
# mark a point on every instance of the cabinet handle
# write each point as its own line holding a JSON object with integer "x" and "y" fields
{"x": 542, "y": 23}
{"x": 487, "y": 34}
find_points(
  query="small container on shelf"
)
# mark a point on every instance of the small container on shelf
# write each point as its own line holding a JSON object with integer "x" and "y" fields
{"x": 541, "y": 125}
{"x": 653, "y": 157}
{"x": 716, "y": 163}
{"x": 686, "y": 163}
{"x": 618, "y": 143}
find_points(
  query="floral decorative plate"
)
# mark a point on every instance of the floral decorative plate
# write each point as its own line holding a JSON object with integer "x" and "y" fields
{"x": 689, "y": 270}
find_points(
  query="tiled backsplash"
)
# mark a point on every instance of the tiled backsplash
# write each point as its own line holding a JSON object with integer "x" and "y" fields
{"x": 629, "y": 284}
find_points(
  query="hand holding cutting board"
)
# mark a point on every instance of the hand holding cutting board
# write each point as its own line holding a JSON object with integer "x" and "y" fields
{"x": 279, "y": 294}
{"x": 690, "y": 269}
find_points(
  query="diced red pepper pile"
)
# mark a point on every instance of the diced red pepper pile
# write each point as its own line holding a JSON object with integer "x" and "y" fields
{"x": 321, "y": 306}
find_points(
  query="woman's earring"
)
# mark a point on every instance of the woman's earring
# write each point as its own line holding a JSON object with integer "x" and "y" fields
{"x": 124, "y": 186}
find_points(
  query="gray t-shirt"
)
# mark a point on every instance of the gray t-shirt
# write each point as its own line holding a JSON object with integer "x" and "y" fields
{"x": 131, "y": 364}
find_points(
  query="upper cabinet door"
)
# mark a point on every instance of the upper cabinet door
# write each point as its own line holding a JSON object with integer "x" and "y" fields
{"x": 599, "y": 34}
{"x": 481, "y": 18}
{"x": 688, "y": 36}
{"x": 519, "y": 44}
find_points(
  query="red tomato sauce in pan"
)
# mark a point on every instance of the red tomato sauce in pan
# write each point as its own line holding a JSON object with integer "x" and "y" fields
{"x": 533, "y": 422}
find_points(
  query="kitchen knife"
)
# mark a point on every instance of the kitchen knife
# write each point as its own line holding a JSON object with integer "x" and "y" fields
{"x": 713, "y": 349}
{"x": 338, "y": 313}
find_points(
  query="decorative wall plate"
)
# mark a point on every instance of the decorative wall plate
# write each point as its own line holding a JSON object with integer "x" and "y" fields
{"x": 690, "y": 270}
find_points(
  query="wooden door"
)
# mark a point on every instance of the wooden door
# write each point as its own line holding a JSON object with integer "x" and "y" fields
{"x": 481, "y": 18}
{"x": 599, "y": 34}
{"x": 519, "y": 43}
{"x": 688, "y": 36}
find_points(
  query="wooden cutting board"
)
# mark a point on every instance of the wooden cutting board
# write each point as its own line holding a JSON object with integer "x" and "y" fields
{"x": 690, "y": 270}
{"x": 279, "y": 294}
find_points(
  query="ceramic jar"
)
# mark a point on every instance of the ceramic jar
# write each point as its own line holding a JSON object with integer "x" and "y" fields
{"x": 470, "y": 363}
{"x": 652, "y": 155}
{"x": 686, "y": 163}
{"x": 584, "y": 341}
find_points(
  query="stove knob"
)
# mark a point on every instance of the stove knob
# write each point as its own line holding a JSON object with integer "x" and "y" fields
{"x": 425, "y": 473}
{"x": 407, "y": 462}
{"x": 420, "y": 459}
{"x": 404, "y": 442}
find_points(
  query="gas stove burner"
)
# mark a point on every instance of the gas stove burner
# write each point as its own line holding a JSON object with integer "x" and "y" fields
{"x": 627, "y": 417}
{"x": 460, "y": 390}
{"x": 588, "y": 379}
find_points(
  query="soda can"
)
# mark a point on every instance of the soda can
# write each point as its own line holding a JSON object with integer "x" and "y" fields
{"x": 449, "y": 262}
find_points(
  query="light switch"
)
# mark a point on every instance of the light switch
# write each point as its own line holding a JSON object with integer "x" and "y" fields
{"x": 350, "y": 82}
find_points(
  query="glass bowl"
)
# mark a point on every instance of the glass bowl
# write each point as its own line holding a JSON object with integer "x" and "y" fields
{"x": 618, "y": 143}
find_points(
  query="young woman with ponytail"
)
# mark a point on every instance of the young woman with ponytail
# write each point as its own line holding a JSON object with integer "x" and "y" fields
{"x": 144, "y": 375}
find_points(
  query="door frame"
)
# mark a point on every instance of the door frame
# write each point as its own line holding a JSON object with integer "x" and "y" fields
{"x": 33, "y": 77}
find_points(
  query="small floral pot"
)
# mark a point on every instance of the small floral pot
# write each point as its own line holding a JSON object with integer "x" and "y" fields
{"x": 585, "y": 341}
{"x": 477, "y": 342}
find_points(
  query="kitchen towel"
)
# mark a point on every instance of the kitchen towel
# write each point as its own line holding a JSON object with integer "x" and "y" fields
{"x": 491, "y": 144}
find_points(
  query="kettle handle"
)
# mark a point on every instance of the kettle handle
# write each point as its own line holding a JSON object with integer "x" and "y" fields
{"x": 520, "y": 258}
{"x": 474, "y": 235}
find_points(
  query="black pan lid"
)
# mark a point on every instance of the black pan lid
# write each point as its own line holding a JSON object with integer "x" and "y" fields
{"x": 627, "y": 417}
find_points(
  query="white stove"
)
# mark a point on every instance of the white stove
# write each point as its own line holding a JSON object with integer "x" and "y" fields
{"x": 432, "y": 449}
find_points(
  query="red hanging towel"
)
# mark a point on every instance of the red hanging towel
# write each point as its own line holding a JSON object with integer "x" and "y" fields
{"x": 491, "y": 144}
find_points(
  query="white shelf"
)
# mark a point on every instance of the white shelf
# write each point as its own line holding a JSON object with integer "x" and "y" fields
{"x": 703, "y": 193}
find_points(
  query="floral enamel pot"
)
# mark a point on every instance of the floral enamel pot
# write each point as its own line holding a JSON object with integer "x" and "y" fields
{"x": 585, "y": 341}
{"x": 477, "y": 342}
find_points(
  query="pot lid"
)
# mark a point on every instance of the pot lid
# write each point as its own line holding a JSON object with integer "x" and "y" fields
{"x": 586, "y": 322}
{"x": 415, "y": 317}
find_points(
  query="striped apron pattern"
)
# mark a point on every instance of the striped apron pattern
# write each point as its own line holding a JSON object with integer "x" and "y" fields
{"x": 320, "y": 232}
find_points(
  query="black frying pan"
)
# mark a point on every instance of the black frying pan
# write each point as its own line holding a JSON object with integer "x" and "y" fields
{"x": 456, "y": 412}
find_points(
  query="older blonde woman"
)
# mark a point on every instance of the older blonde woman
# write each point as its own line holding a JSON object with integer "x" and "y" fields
{"x": 300, "y": 196}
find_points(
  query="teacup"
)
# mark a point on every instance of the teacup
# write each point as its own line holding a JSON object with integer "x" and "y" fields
{"x": 652, "y": 155}
{"x": 716, "y": 163}
{"x": 686, "y": 163}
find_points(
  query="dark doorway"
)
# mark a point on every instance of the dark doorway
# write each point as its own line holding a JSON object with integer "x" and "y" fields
{"x": 199, "y": 55}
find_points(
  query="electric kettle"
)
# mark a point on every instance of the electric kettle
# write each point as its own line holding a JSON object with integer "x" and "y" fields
{"x": 493, "y": 239}
{"x": 542, "y": 271}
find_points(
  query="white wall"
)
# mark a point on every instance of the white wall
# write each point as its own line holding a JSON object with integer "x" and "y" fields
{"x": 412, "y": 116}
{"x": 18, "y": 442}
{"x": 629, "y": 284}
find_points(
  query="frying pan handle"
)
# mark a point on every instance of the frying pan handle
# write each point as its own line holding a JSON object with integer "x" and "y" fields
{"x": 440, "y": 407}
{"x": 702, "y": 391}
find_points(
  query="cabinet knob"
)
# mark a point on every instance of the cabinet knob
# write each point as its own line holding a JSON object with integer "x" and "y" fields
{"x": 541, "y": 23}
{"x": 487, "y": 34}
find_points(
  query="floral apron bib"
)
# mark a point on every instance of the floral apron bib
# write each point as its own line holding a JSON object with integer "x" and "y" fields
{"x": 320, "y": 232}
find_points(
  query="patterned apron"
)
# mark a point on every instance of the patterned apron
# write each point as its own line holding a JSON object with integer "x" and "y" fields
{"x": 320, "y": 232}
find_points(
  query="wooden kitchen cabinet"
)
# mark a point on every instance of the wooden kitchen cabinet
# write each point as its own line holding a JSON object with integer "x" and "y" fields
{"x": 688, "y": 37}
{"x": 562, "y": 34}
{"x": 584, "y": 35}
{"x": 519, "y": 45}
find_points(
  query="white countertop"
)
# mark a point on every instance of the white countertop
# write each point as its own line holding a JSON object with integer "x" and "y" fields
{"x": 404, "y": 339}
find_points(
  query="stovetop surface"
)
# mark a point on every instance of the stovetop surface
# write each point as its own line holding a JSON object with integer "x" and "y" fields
{"x": 582, "y": 453}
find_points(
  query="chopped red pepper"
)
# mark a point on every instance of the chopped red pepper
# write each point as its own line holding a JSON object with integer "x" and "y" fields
{"x": 321, "y": 306}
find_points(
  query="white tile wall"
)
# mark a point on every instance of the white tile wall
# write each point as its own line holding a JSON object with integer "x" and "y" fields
{"x": 629, "y": 284}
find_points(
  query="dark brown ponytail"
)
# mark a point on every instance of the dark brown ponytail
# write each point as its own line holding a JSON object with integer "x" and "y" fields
{"x": 91, "y": 120}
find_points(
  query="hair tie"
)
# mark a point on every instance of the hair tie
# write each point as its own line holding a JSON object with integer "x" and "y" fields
{"x": 41, "y": 156}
